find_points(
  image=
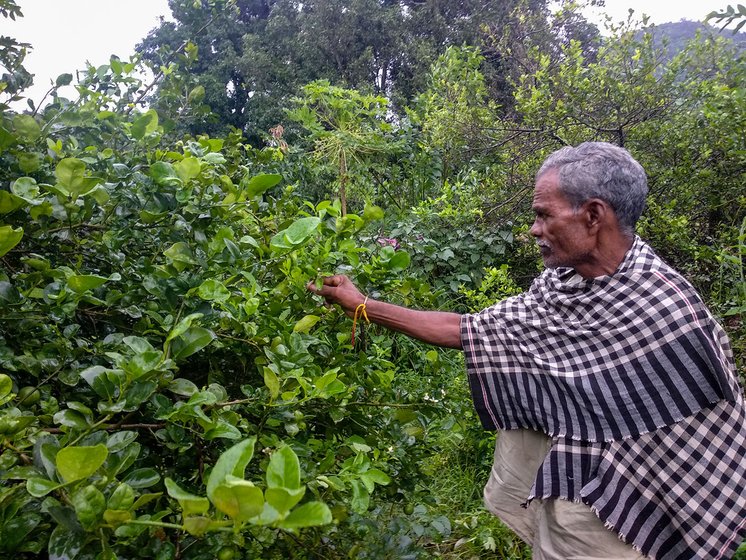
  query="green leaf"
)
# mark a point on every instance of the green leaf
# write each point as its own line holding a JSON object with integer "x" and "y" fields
{"x": 6, "y": 385}
{"x": 358, "y": 444}
{"x": 283, "y": 499}
{"x": 9, "y": 294}
{"x": 387, "y": 253}
{"x": 89, "y": 504}
{"x": 190, "y": 503}
{"x": 182, "y": 326}
{"x": 142, "y": 478}
{"x": 116, "y": 65}
{"x": 137, "y": 344}
{"x": 140, "y": 364}
{"x": 188, "y": 168}
{"x": 180, "y": 252}
{"x": 76, "y": 463}
{"x": 7, "y": 139}
{"x": 214, "y": 158}
{"x": 122, "y": 498}
{"x": 17, "y": 529}
{"x": 238, "y": 499}
{"x": 29, "y": 162}
{"x": 372, "y": 212}
{"x": 26, "y": 188}
{"x": 306, "y": 323}
{"x": 399, "y": 262}
{"x": 10, "y": 202}
{"x": 196, "y": 95}
{"x": 70, "y": 172}
{"x": 298, "y": 232}
{"x": 45, "y": 451}
{"x": 144, "y": 125}
{"x": 164, "y": 174}
{"x": 310, "y": 514}
{"x": 43, "y": 209}
{"x": 148, "y": 217}
{"x": 283, "y": 470}
{"x": 80, "y": 283}
{"x": 63, "y": 80}
{"x": 119, "y": 440}
{"x": 12, "y": 421}
{"x": 40, "y": 487}
{"x": 213, "y": 290}
{"x": 106, "y": 382}
{"x": 9, "y": 238}
{"x": 261, "y": 183}
{"x": 192, "y": 341}
{"x": 197, "y": 526}
{"x": 272, "y": 382}
{"x": 145, "y": 499}
{"x": 116, "y": 517}
{"x": 222, "y": 429}
{"x": 183, "y": 387}
{"x": 65, "y": 544}
{"x": 26, "y": 127}
{"x": 360, "y": 497}
{"x": 374, "y": 476}
{"x": 231, "y": 463}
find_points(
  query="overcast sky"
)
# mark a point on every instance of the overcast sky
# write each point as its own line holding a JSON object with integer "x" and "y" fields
{"x": 67, "y": 33}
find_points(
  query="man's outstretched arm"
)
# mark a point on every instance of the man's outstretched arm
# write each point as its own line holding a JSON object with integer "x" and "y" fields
{"x": 434, "y": 327}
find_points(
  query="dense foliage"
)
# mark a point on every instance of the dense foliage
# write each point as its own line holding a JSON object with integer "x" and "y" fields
{"x": 157, "y": 331}
{"x": 255, "y": 55}
{"x": 169, "y": 388}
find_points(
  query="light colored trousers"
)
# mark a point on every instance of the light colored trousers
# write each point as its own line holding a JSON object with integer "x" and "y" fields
{"x": 555, "y": 529}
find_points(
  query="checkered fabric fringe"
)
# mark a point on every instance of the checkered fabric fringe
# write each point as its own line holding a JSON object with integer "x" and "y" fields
{"x": 635, "y": 380}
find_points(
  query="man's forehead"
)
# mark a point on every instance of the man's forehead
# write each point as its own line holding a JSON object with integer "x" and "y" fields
{"x": 547, "y": 186}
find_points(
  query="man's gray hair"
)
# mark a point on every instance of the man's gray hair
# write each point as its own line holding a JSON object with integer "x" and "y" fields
{"x": 605, "y": 171}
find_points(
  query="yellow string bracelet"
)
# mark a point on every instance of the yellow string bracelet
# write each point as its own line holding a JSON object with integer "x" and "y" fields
{"x": 359, "y": 312}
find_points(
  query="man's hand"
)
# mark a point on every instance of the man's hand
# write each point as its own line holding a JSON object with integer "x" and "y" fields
{"x": 340, "y": 290}
{"x": 434, "y": 327}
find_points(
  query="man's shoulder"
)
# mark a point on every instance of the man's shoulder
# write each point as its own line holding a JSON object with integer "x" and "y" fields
{"x": 650, "y": 265}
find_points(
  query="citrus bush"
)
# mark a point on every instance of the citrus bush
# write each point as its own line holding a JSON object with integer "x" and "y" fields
{"x": 169, "y": 386}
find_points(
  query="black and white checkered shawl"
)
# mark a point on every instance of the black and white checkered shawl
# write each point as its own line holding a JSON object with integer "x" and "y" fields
{"x": 635, "y": 382}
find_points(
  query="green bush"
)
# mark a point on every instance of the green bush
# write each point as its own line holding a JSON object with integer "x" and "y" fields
{"x": 170, "y": 387}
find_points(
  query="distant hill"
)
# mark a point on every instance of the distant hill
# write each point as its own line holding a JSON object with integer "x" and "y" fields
{"x": 679, "y": 33}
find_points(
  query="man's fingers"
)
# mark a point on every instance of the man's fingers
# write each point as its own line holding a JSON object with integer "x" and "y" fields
{"x": 334, "y": 280}
{"x": 326, "y": 283}
{"x": 325, "y": 290}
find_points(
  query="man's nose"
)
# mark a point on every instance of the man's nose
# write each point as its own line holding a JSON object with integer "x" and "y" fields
{"x": 535, "y": 229}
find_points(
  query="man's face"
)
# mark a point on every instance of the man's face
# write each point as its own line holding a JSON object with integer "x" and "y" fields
{"x": 560, "y": 231}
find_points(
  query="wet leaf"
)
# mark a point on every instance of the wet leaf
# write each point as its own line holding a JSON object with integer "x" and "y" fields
{"x": 76, "y": 463}
{"x": 310, "y": 514}
{"x": 283, "y": 470}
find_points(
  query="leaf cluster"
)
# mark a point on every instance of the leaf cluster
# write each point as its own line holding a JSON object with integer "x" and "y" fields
{"x": 157, "y": 331}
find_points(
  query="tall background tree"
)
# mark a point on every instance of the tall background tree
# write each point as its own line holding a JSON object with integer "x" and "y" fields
{"x": 253, "y": 55}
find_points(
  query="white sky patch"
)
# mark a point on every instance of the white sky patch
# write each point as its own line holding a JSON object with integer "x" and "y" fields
{"x": 65, "y": 34}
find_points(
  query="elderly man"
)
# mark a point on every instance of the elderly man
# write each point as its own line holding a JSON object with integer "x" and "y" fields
{"x": 623, "y": 426}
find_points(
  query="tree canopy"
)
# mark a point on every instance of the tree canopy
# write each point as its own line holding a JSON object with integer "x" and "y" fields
{"x": 254, "y": 56}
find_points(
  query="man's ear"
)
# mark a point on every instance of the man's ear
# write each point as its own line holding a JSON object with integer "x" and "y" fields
{"x": 596, "y": 212}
